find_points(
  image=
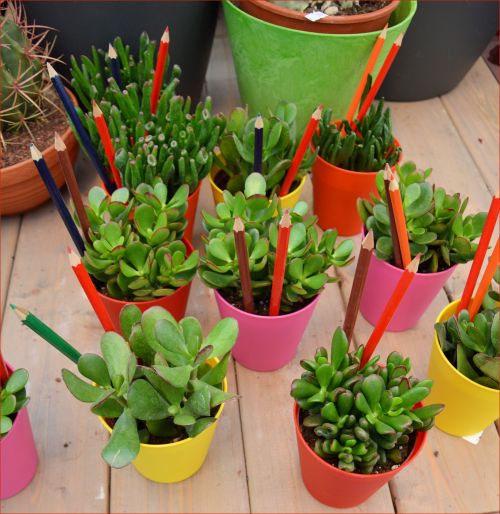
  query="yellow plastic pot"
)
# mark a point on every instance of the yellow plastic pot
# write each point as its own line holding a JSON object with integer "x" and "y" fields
{"x": 286, "y": 202}
{"x": 469, "y": 407}
{"x": 174, "y": 462}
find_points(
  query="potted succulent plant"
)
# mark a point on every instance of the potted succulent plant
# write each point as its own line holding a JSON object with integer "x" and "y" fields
{"x": 350, "y": 155}
{"x": 29, "y": 111}
{"x": 437, "y": 228}
{"x": 234, "y": 159}
{"x": 274, "y": 62}
{"x": 330, "y": 17}
{"x": 18, "y": 456}
{"x": 159, "y": 390}
{"x": 136, "y": 254}
{"x": 306, "y": 261}
{"x": 357, "y": 427}
{"x": 465, "y": 366}
{"x": 168, "y": 141}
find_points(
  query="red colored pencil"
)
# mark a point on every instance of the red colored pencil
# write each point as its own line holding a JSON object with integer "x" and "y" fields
{"x": 482, "y": 248}
{"x": 160, "y": 69}
{"x": 400, "y": 221}
{"x": 4, "y": 372}
{"x": 90, "y": 291}
{"x": 380, "y": 77}
{"x": 102, "y": 128}
{"x": 280, "y": 263}
{"x": 391, "y": 307}
{"x": 301, "y": 150}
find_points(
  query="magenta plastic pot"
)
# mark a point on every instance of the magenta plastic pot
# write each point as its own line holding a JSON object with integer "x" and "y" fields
{"x": 18, "y": 457}
{"x": 380, "y": 283}
{"x": 266, "y": 343}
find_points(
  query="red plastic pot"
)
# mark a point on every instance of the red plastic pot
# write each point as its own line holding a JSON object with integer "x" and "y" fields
{"x": 175, "y": 303}
{"x": 191, "y": 212}
{"x": 337, "y": 488}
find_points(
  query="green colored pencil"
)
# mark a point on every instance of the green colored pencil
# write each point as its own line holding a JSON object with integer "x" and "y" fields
{"x": 45, "y": 332}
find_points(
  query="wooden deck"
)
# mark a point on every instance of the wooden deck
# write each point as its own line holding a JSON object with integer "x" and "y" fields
{"x": 253, "y": 463}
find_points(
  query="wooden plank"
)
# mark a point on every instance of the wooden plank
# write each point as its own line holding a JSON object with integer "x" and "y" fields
{"x": 71, "y": 476}
{"x": 10, "y": 227}
{"x": 473, "y": 107}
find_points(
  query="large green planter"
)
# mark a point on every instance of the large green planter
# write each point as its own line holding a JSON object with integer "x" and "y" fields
{"x": 275, "y": 63}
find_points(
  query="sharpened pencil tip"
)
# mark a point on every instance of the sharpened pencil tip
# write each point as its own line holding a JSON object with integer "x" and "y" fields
{"x": 368, "y": 242}
{"x": 52, "y": 72}
{"x": 238, "y": 226}
{"x": 165, "y": 38}
{"x": 388, "y": 172}
{"x": 73, "y": 258}
{"x": 317, "y": 113}
{"x": 59, "y": 143}
{"x": 96, "y": 111}
{"x": 12, "y": 306}
{"x": 413, "y": 266}
{"x": 36, "y": 155}
{"x": 286, "y": 220}
{"x": 399, "y": 39}
{"x": 259, "y": 123}
{"x": 393, "y": 186}
{"x": 383, "y": 34}
{"x": 112, "y": 52}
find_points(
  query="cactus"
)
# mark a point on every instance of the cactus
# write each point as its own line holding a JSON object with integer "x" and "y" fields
{"x": 12, "y": 398}
{"x": 362, "y": 418}
{"x": 26, "y": 88}
{"x": 139, "y": 256}
{"x": 368, "y": 149}
{"x": 158, "y": 381}
{"x": 309, "y": 256}
{"x": 235, "y": 155}
{"x": 435, "y": 220}
{"x": 472, "y": 346}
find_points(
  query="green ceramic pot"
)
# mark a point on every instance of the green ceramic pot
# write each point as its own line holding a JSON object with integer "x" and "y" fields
{"x": 275, "y": 63}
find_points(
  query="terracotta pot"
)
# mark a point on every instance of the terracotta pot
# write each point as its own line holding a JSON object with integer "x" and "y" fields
{"x": 191, "y": 212}
{"x": 175, "y": 303}
{"x": 338, "y": 488}
{"x": 355, "y": 24}
{"x": 335, "y": 194}
{"x": 21, "y": 188}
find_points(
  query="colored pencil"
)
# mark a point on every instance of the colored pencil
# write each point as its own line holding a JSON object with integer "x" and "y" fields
{"x": 45, "y": 332}
{"x": 258, "y": 144}
{"x": 244, "y": 265}
{"x": 90, "y": 291}
{"x": 70, "y": 179}
{"x": 52, "y": 188}
{"x": 358, "y": 285}
{"x": 115, "y": 65}
{"x": 4, "y": 372}
{"x": 388, "y": 175}
{"x": 301, "y": 151}
{"x": 398, "y": 294}
{"x": 284, "y": 227}
{"x": 160, "y": 69}
{"x": 400, "y": 221}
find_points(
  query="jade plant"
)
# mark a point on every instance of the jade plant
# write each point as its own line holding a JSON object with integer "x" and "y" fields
{"x": 309, "y": 255}
{"x": 492, "y": 297}
{"x": 12, "y": 398}
{"x": 472, "y": 345}
{"x": 160, "y": 383}
{"x": 361, "y": 419}
{"x": 173, "y": 144}
{"x": 235, "y": 155}
{"x": 368, "y": 148}
{"x": 437, "y": 226}
{"x": 26, "y": 89}
{"x": 139, "y": 256}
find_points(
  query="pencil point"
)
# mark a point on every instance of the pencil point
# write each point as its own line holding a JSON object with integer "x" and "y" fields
{"x": 383, "y": 34}
{"x": 36, "y": 155}
{"x": 368, "y": 242}
{"x": 59, "y": 143}
{"x": 73, "y": 258}
{"x": 165, "y": 38}
{"x": 317, "y": 113}
{"x": 52, "y": 72}
{"x": 238, "y": 226}
{"x": 388, "y": 175}
{"x": 393, "y": 186}
{"x": 399, "y": 39}
{"x": 286, "y": 220}
{"x": 12, "y": 306}
{"x": 96, "y": 111}
{"x": 259, "y": 123}
{"x": 413, "y": 266}
{"x": 112, "y": 52}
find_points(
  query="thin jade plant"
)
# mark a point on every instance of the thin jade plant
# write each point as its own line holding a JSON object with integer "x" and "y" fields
{"x": 160, "y": 383}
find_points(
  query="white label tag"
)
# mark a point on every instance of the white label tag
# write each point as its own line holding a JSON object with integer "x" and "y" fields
{"x": 474, "y": 438}
{"x": 315, "y": 15}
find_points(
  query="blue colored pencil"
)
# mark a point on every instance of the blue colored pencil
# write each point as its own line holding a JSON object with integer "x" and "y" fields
{"x": 257, "y": 149}
{"x": 115, "y": 65}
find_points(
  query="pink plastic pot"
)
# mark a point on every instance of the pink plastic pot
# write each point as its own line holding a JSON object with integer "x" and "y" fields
{"x": 380, "y": 283}
{"x": 338, "y": 488}
{"x": 266, "y": 343}
{"x": 18, "y": 457}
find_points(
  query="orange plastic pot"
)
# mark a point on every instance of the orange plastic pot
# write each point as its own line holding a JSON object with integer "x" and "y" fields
{"x": 337, "y": 488}
{"x": 335, "y": 194}
{"x": 191, "y": 212}
{"x": 175, "y": 303}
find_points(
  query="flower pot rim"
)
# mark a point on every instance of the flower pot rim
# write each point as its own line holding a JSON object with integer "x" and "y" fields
{"x": 190, "y": 248}
{"x": 14, "y": 168}
{"x": 5, "y": 437}
{"x": 215, "y": 171}
{"x": 443, "y": 316}
{"x": 311, "y": 304}
{"x": 213, "y": 361}
{"x": 413, "y": 8}
{"x": 420, "y": 440}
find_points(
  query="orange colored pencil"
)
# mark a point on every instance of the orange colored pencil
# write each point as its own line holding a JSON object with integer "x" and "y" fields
{"x": 102, "y": 128}
{"x": 398, "y": 294}
{"x": 284, "y": 227}
{"x": 400, "y": 221}
{"x": 160, "y": 69}
{"x": 482, "y": 289}
{"x": 377, "y": 48}
{"x": 90, "y": 291}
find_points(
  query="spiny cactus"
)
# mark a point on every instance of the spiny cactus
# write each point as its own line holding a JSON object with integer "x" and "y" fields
{"x": 12, "y": 398}
{"x": 361, "y": 418}
{"x": 139, "y": 256}
{"x": 157, "y": 382}
{"x": 26, "y": 88}
{"x": 368, "y": 149}
{"x": 235, "y": 156}
{"x": 435, "y": 220}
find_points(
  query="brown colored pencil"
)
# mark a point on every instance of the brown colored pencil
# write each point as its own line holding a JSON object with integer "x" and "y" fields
{"x": 398, "y": 261}
{"x": 244, "y": 265}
